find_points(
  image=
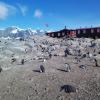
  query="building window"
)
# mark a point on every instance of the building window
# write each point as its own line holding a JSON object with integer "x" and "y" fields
{"x": 98, "y": 30}
{"x": 78, "y": 31}
{"x": 58, "y": 34}
{"x": 84, "y": 31}
{"x": 52, "y": 34}
{"x": 92, "y": 30}
{"x": 63, "y": 34}
{"x": 48, "y": 34}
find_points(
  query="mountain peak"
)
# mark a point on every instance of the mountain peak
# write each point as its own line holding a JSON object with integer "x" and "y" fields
{"x": 15, "y": 32}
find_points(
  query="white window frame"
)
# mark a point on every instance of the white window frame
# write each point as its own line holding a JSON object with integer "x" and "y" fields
{"x": 58, "y": 34}
{"x": 84, "y": 31}
{"x": 52, "y": 34}
{"x": 63, "y": 34}
{"x": 79, "y": 31}
{"x": 98, "y": 30}
{"x": 92, "y": 30}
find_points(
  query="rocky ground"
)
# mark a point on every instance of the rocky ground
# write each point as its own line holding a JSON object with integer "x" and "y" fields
{"x": 23, "y": 81}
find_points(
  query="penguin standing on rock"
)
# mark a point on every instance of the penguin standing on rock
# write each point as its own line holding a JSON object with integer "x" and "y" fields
{"x": 42, "y": 69}
{"x": 67, "y": 67}
{"x": 68, "y": 88}
{"x": 0, "y": 69}
{"x": 50, "y": 55}
{"x": 22, "y": 61}
{"x": 66, "y": 52}
{"x": 13, "y": 60}
{"x": 96, "y": 63}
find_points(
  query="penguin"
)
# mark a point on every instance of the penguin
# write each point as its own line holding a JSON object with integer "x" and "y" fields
{"x": 13, "y": 60}
{"x": 68, "y": 88}
{"x": 96, "y": 63}
{"x": 42, "y": 69}
{"x": 0, "y": 69}
{"x": 67, "y": 67}
{"x": 22, "y": 61}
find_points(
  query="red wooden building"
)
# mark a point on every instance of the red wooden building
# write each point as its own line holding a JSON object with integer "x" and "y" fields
{"x": 81, "y": 32}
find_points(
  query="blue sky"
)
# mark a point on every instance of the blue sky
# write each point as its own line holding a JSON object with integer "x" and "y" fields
{"x": 38, "y": 14}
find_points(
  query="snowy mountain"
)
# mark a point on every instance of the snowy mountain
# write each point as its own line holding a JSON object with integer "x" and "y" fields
{"x": 15, "y": 32}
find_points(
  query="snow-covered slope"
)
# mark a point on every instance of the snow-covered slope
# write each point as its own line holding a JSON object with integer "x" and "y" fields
{"x": 15, "y": 32}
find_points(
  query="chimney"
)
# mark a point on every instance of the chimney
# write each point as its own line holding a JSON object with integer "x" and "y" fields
{"x": 65, "y": 27}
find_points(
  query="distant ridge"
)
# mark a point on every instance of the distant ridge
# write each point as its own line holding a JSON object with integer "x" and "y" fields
{"x": 15, "y": 32}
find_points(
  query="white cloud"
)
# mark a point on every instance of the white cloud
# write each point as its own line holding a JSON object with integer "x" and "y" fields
{"x": 6, "y": 10}
{"x": 23, "y": 9}
{"x": 38, "y": 13}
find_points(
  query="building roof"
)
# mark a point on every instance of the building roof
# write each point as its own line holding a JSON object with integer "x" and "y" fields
{"x": 87, "y": 28}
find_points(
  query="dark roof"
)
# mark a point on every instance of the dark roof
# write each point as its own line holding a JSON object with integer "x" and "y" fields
{"x": 87, "y": 28}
